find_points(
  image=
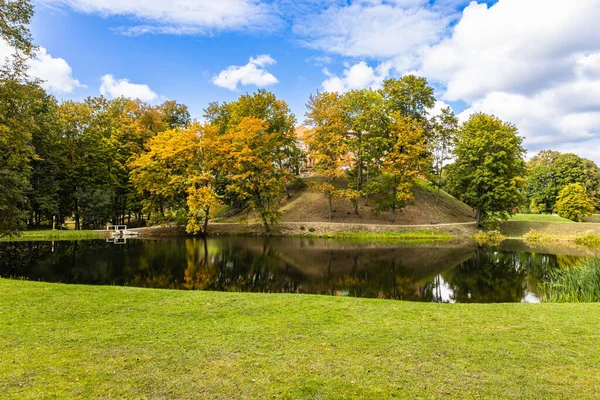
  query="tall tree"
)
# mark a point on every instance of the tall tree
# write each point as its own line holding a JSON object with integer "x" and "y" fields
{"x": 326, "y": 141}
{"x": 249, "y": 157}
{"x": 367, "y": 123}
{"x": 410, "y": 95}
{"x": 18, "y": 104}
{"x": 404, "y": 162}
{"x": 175, "y": 173}
{"x": 444, "y": 128}
{"x": 489, "y": 167}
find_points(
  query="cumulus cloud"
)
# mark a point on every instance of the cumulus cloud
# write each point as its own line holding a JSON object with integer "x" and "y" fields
{"x": 112, "y": 88}
{"x": 55, "y": 73}
{"x": 179, "y": 16}
{"x": 357, "y": 76}
{"x": 252, "y": 73}
{"x": 534, "y": 63}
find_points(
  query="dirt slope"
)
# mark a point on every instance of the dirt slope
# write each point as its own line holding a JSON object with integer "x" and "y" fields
{"x": 308, "y": 205}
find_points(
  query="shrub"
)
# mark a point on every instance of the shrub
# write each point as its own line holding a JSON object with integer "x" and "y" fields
{"x": 302, "y": 228}
{"x": 490, "y": 238}
{"x": 311, "y": 229}
{"x": 573, "y": 203}
{"x": 535, "y": 208}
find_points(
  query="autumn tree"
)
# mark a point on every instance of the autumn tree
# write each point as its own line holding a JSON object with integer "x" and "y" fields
{"x": 278, "y": 119}
{"x": 573, "y": 203}
{"x": 175, "y": 173}
{"x": 327, "y": 141}
{"x": 406, "y": 159}
{"x": 489, "y": 167}
{"x": 249, "y": 156}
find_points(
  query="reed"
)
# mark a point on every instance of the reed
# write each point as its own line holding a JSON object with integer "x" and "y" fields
{"x": 579, "y": 284}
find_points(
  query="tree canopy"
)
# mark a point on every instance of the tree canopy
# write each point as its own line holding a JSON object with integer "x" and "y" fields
{"x": 489, "y": 168}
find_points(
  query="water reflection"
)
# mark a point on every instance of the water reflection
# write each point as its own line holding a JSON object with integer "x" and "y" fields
{"x": 442, "y": 272}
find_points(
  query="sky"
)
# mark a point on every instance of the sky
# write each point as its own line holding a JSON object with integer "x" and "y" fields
{"x": 534, "y": 63}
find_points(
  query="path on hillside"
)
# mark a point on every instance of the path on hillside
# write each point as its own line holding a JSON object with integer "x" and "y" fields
{"x": 352, "y": 223}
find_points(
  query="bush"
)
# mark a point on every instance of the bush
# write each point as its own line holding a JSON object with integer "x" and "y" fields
{"x": 573, "y": 203}
{"x": 535, "y": 208}
{"x": 489, "y": 238}
{"x": 312, "y": 230}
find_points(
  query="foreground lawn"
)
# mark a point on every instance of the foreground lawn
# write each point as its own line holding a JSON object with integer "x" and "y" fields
{"x": 61, "y": 341}
{"x": 538, "y": 218}
{"x": 55, "y": 235}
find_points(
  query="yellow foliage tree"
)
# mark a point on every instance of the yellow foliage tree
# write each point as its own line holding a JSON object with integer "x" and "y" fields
{"x": 405, "y": 160}
{"x": 176, "y": 172}
{"x": 326, "y": 142}
{"x": 248, "y": 156}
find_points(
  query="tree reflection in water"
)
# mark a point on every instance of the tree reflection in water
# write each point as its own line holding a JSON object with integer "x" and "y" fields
{"x": 446, "y": 272}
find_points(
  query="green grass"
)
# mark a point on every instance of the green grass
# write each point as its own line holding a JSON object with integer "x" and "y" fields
{"x": 579, "y": 284}
{"x": 581, "y": 240}
{"x": 538, "y": 218}
{"x": 55, "y": 235}
{"x": 59, "y": 341}
{"x": 396, "y": 236}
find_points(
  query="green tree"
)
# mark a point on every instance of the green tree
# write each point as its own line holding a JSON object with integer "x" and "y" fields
{"x": 489, "y": 167}
{"x": 367, "y": 127}
{"x": 444, "y": 128}
{"x": 15, "y": 16}
{"x": 19, "y": 102}
{"x": 550, "y": 172}
{"x": 410, "y": 95}
{"x": 573, "y": 203}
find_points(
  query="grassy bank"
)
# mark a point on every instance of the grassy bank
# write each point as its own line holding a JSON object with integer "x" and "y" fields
{"x": 110, "y": 342}
{"x": 538, "y": 218}
{"x": 518, "y": 229}
{"x": 391, "y": 235}
{"x": 55, "y": 235}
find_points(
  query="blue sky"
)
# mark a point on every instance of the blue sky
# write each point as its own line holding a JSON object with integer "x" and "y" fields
{"x": 535, "y": 63}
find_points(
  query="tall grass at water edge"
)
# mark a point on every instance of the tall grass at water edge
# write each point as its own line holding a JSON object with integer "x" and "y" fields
{"x": 579, "y": 284}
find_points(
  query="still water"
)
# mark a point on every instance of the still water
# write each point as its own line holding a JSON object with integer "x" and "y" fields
{"x": 456, "y": 271}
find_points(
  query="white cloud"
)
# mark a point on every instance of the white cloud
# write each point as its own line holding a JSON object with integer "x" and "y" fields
{"x": 534, "y": 63}
{"x": 55, "y": 73}
{"x": 112, "y": 88}
{"x": 357, "y": 76}
{"x": 252, "y": 73}
{"x": 179, "y": 16}
{"x": 397, "y": 30}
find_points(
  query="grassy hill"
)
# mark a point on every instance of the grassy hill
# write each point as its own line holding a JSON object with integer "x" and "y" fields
{"x": 310, "y": 205}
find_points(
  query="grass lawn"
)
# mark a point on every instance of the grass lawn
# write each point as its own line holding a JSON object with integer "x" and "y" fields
{"x": 538, "y": 218}
{"x": 59, "y": 341}
{"x": 55, "y": 235}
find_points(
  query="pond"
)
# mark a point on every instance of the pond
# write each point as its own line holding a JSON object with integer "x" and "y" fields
{"x": 454, "y": 271}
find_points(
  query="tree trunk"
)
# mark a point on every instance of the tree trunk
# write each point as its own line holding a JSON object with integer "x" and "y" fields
{"x": 330, "y": 205}
{"x": 267, "y": 227}
{"x": 77, "y": 226}
{"x": 479, "y": 216}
